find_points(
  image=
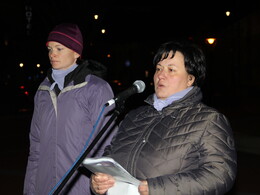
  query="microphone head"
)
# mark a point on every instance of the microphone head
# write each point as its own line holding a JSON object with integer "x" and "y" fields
{"x": 140, "y": 85}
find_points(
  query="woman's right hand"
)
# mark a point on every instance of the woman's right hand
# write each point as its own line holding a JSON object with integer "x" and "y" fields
{"x": 101, "y": 182}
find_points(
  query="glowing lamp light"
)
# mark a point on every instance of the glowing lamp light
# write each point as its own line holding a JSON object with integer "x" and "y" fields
{"x": 21, "y": 65}
{"x": 103, "y": 31}
{"x": 115, "y": 81}
{"x": 211, "y": 41}
{"x": 6, "y": 42}
{"x": 146, "y": 73}
{"x": 227, "y": 13}
{"x": 95, "y": 16}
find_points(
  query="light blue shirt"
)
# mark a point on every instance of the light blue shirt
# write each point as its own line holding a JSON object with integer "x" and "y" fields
{"x": 59, "y": 76}
{"x": 160, "y": 104}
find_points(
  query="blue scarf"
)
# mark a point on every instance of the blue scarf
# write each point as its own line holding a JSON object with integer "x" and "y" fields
{"x": 159, "y": 104}
{"x": 59, "y": 76}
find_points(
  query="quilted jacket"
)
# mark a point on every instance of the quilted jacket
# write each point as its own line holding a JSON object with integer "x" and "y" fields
{"x": 187, "y": 148}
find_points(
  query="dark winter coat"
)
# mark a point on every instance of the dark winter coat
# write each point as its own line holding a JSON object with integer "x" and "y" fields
{"x": 187, "y": 148}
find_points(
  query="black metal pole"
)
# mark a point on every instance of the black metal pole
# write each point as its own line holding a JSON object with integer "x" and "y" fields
{"x": 83, "y": 156}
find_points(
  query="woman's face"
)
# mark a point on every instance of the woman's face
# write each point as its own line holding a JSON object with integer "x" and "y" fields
{"x": 61, "y": 57}
{"x": 171, "y": 76}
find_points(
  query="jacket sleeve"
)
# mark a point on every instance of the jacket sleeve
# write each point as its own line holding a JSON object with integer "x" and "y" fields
{"x": 32, "y": 164}
{"x": 216, "y": 169}
{"x": 99, "y": 98}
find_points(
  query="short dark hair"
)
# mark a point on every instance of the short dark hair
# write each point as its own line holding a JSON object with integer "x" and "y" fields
{"x": 194, "y": 58}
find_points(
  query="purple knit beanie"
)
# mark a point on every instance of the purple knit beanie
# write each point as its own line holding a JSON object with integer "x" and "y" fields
{"x": 68, "y": 35}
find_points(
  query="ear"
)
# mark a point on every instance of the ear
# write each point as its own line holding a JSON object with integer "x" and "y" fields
{"x": 191, "y": 80}
{"x": 76, "y": 55}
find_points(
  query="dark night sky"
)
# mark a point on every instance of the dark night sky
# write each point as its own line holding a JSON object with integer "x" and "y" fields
{"x": 133, "y": 29}
{"x": 124, "y": 20}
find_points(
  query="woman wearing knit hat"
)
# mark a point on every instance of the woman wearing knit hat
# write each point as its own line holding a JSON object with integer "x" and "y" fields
{"x": 67, "y": 105}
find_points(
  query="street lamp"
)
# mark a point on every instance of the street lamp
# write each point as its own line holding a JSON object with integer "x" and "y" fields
{"x": 211, "y": 41}
{"x": 95, "y": 16}
{"x": 103, "y": 31}
{"x": 227, "y": 13}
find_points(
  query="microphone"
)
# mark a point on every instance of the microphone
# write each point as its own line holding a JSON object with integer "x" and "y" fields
{"x": 137, "y": 87}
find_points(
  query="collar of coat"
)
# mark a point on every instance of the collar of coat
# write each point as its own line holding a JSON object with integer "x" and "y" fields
{"x": 79, "y": 74}
{"x": 193, "y": 96}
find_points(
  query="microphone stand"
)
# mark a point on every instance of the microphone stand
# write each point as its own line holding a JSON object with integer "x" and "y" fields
{"x": 119, "y": 108}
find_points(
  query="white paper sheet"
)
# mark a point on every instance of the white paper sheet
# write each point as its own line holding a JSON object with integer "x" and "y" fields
{"x": 125, "y": 182}
{"x": 123, "y": 188}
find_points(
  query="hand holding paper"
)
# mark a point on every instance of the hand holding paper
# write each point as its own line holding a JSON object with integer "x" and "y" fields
{"x": 125, "y": 182}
